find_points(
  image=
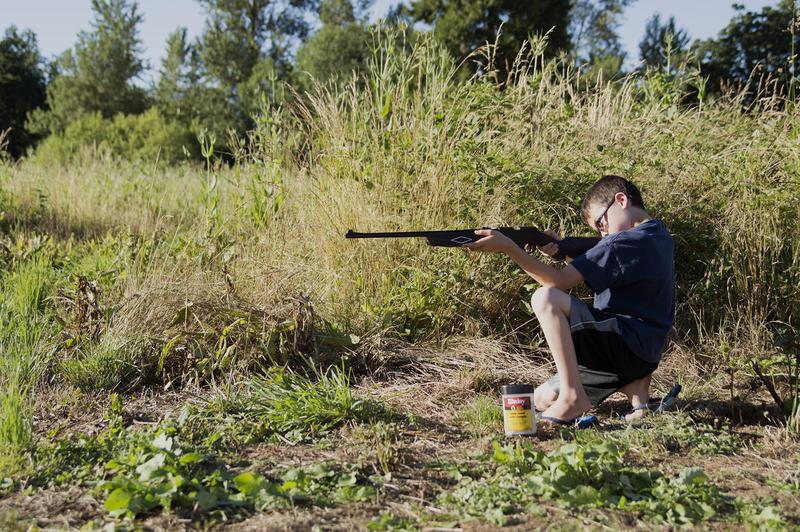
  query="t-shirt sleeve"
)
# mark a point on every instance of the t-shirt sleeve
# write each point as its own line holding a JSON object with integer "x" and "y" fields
{"x": 599, "y": 266}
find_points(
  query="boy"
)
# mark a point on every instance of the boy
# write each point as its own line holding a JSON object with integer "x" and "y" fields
{"x": 616, "y": 345}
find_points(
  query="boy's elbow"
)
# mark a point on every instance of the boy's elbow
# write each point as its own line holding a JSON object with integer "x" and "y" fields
{"x": 567, "y": 278}
{"x": 563, "y": 285}
{"x": 551, "y": 283}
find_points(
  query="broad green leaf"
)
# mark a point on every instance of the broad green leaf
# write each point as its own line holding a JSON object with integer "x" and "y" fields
{"x": 162, "y": 441}
{"x": 147, "y": 469}
{"x": 118, "y": 502}
{"x": 347, "y": 479}
{"x": 691, "y": 475}
{"x": 581, "y": 496}
{"x": 248, "y": 483}
{"x": 205, "y": 500}
{"x": 190, "y": 458}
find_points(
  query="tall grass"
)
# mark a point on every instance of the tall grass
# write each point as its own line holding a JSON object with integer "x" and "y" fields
{"x": 16, "y": 424}
{"x": 410, "y": 146}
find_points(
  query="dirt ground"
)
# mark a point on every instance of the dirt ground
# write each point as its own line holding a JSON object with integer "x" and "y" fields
{"x": 426, "y": 435}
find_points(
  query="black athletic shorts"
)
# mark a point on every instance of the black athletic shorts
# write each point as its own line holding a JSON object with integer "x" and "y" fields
{"x": 605, "y": 363}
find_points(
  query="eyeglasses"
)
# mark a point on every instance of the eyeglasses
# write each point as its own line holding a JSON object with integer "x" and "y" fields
{"x": 599, "y": 219}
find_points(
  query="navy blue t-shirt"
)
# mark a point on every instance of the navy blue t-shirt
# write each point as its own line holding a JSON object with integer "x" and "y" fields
{"x": 632, "y": 274}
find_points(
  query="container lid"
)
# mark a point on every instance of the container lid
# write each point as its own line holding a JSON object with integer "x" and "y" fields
{"x": 511, "y": 389}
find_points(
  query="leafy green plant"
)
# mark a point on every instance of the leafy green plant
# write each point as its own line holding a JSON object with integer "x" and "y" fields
{"x": 761, "y": 515}
{"x": 518, "y": 477}
{"x": 159, "y": 468}
{"x": 380, "y": 442}
{"x": 390, "y": 521}
{"x": 671, "y": 432}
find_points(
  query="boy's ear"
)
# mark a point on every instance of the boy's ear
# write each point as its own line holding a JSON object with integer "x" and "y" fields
{"x": 623, "y": 198}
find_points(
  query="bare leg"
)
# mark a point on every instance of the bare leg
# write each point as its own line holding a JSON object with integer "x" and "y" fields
{"x": 638, "y": 393}
{"x": 552, "y": 307}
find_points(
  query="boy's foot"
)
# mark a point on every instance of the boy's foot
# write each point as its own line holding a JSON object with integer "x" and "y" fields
{"x": 638, "y": 391}
{"x": 637, "y": 413}
{"x": 654, "y": 405}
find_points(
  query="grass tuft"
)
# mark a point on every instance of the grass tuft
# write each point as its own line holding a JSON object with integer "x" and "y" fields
{"x": 16, "y": 426}
{"x": 293, "y": 405}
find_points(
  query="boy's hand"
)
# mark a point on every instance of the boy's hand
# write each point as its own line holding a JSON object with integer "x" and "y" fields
{"x": 492, "y": 241}
{"x": 551, "y": 248}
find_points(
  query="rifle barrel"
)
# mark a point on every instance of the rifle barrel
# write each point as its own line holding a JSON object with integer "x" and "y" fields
{"x": 353, "y": 234}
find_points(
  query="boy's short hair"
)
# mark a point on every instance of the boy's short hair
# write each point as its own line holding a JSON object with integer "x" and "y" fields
{"x": 604, "y": 190}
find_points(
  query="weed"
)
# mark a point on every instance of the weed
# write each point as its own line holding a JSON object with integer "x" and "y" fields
{"x": 518, "y": 478}
{"x": 157, "y": 468}
{"x": 482, "y": 416}
{"x": 670, "y": 433}
{"x": 291, "y": 404}
{"x": 110, "y": 364}
{"x": 760, "y": 515}
{"x": 381, "y": 441}
{"x": 389, "y": 521}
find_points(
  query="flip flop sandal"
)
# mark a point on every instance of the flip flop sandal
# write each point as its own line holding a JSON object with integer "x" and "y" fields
{"x": 580, "y": 422}
{"x": 657, "y": 406}
{"x": 669, "y": 400}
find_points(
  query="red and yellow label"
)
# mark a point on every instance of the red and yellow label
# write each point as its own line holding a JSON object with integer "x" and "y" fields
{"x": 517, "y": 414}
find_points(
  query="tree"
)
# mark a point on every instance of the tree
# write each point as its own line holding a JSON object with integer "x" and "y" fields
{"x": 341, "y": 46}
{"x": 660, "y": 40}
{"x": 22, "y": 86}
{"x": 244, "y": 49}
{"x": 594, "y": 28}
{"x": 179, "y": 77}
{"x": 765, "y": 40}
{"x": 464, "y": 25}
{"x": 98, "y": 74}
{"x": 240, "y": 32}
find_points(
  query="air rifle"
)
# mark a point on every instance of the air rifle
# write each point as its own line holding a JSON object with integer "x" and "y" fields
{"x": 524, "y": 237}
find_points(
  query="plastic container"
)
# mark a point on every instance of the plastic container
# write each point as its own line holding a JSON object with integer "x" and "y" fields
{"x": 518, "y": 418}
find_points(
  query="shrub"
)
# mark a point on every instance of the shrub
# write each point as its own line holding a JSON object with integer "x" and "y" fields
{"x": 147, "y": 137}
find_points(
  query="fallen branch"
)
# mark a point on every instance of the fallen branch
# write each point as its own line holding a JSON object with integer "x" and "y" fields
{"x": 768, "y": 385}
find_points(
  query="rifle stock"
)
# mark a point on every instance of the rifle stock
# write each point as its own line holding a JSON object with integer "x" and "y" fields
{"x": 523, "y": 236}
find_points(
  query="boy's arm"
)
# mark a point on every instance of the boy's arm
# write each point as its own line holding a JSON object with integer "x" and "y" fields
{"x": 545, "y": 274}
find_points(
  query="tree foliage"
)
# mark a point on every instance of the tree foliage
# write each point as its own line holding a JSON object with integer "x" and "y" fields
{"x": 593, "y": 27}
{"x": 341, "y": 46}
{"x": 179, "y": 77}
{"x": 753, "y": 40}
{"x": 662, "y": 40}
{"x": 239, "y": 33}
{"x": 98, "y": 74}
{"x": 243, "y": 51}
{"x": 464, "y": 25}
{"x": 22, "y": 86}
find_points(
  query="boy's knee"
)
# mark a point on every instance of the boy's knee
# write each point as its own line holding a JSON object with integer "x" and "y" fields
{"x": 544, "y": 396}
{"x": 545, "y": 298}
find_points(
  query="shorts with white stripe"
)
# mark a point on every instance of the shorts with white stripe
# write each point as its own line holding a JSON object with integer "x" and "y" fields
{"x": 605, "y": 363}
